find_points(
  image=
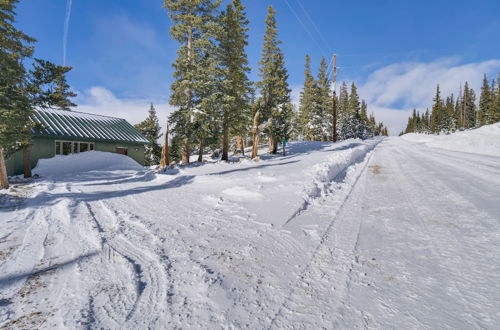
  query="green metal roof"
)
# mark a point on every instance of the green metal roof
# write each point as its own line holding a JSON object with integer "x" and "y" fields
{"x": 76, "y": 125}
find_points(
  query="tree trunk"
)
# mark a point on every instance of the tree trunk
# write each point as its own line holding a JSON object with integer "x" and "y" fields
{"x": 225, "y": 142}
{"x": 200, "y": 153}
{"x": 239, "y": 145}
{"x": 255, "y": 132}
{"x": 274, "y": 151}
{"x": 243, "y": 145}
{"x": 165, "y": 153}
{"x": 4, "y": 180}
{"x": 27, "y": 161}
{"x": 186, "y": 153}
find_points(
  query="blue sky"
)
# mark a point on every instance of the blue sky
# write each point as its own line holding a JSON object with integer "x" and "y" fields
{"x": 395, "y": 51}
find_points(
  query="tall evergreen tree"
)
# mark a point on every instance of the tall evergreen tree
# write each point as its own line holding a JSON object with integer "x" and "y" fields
{"x": 343, "y": 112}
{"x": 438, "y": 113}
{"x": 274, "y": 102}
{"x": 469, "y": 107}
{"x": 325, "y": 100}
{"x": 150, "y": 128}
{"x": 307, "y": 102}
{"x": 486, "y": 111}
{"x": 194, "y": 26}
{"x": 449, "y": 122}
{"x": 236, "y": 86}
{"x": 352, "y": 125}
{"x": 48, "y": 87}
{"x": 15, "y": 107}
{"x": 496, "y": 102}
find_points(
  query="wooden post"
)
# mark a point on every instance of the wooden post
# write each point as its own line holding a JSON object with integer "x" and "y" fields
{"x": 165, "y": 153}
{"x": 4, "y": 180}
{"x": 255, "y": 132}
{"x": 239, "y": 145}
{"x": 334, "y": 81}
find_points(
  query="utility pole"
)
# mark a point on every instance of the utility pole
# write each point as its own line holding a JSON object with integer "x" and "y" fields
{"x": 334, "y": 81}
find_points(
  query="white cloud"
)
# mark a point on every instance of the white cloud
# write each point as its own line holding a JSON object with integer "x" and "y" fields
{"x": 101, "y": 101}
{"x": 393, "y": 91}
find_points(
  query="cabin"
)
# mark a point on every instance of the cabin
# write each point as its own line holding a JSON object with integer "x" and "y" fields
{"x": 60, "y": 132}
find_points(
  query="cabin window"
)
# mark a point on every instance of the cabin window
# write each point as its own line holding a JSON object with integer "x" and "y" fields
{"x": 72, "y": 147}
{"x": 66, "y": 148}
{"x": 84, "y": 147}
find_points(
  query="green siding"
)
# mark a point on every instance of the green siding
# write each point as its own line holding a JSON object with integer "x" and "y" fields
{"x": 42, "y": 148}
{"x": 134, "y": 151}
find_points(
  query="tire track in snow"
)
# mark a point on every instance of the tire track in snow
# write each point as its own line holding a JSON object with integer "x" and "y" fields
{"x": 435, "y": 250}
{"x": 328, "y": 267}
{"x": 149, "y": 307}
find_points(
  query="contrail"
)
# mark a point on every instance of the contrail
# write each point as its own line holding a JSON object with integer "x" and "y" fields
{"x": 66, "y": 27}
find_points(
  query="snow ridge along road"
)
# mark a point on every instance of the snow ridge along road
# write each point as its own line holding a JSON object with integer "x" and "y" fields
{"x": 361, "y": 234}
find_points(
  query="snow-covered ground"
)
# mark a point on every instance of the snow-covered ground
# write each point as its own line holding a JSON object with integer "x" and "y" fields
{"x": 377, "y": 234}
{"x": 483, "y": 140}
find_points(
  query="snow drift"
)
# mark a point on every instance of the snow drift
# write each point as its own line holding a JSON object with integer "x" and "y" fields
{"x": 483, "y": 140}
{"x": 85, "y": 162}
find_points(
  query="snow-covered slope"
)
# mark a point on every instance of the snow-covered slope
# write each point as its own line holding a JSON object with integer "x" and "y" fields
{"x": 483, "y": 140}
{"x": 360, "y": 234}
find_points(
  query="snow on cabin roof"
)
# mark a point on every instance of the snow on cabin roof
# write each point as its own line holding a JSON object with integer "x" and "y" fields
{"x": 84, "y": 126}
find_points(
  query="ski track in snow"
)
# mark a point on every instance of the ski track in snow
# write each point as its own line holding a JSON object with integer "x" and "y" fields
{"x": 373, "y": 235}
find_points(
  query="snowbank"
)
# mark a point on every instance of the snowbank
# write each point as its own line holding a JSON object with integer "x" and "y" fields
{"x": 85, "y": 162}
{"x": 483, "y": 140}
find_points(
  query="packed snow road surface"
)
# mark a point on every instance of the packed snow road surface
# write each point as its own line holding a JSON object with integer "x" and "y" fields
{"x": 361, "y": 234}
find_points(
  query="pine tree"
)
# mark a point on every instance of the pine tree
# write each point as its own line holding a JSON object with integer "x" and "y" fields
{"x": 194, "y": 90}
{"x": 307, "y": 102}
{"x": 469, "y": 107}
{"x": 450, "y": 122}
{"x": 352, "y": 125}
{"x": 436, "y": 119}
{"x": 325, "y": 100}
{"x": 15, "y": 107}
{"x": 343, "y": 112}
{"x": 488, "y": 112}
{"x": 235, "y": 83}
{"x": 457, "y": 112}
{"x": 48, "y": 87}
{"x": 496, "y": 103}
{"x": 150, "y": 128}
{"x": 274, "y": 103}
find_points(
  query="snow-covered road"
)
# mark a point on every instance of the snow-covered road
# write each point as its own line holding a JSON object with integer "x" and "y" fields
{"x": 362, "y": 234}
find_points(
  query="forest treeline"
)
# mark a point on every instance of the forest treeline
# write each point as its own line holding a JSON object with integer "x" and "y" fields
{"x": 450, "y": 114}
{"x": 217, "y": 106}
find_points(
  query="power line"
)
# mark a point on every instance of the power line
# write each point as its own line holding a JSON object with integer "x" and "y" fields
{"x": 304, "y": 27}
{"x": 306, "y": 14}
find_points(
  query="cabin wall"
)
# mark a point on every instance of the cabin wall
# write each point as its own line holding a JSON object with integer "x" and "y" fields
{"x": 42, "y": 148}
{"x": 134, "y": 151}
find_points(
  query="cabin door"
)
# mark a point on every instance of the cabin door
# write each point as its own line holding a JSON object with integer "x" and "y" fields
{"x": 121, "y": 150}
